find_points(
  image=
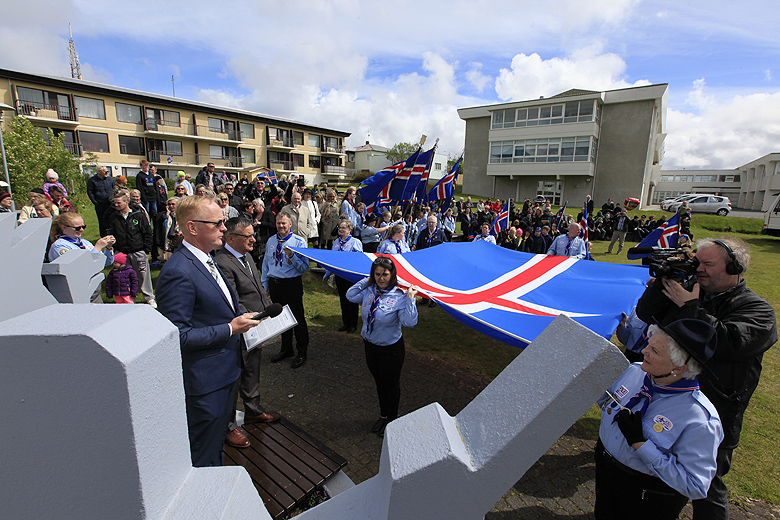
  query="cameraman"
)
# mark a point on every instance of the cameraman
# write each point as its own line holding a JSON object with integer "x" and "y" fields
{"x": 745, "y": 325}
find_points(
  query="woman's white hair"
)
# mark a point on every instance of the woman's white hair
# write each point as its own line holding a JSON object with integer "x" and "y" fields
{"x": 677, "y": 354}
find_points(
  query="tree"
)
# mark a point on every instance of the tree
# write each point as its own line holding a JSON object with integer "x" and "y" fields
{"x": 451, "y": 160}
{"x": 29, "y": 156}
{"x": 400, "y": 152}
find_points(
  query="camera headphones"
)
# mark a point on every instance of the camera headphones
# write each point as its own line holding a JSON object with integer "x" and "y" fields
{"x": 732, "y": 266}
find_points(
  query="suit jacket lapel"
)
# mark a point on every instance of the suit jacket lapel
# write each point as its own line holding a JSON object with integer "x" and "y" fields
{"x": 251, "y": 274}
{"x": 205, "y": 272}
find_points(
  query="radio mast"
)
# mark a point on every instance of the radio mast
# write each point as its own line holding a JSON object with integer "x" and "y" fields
{"x": 75, "y": 66}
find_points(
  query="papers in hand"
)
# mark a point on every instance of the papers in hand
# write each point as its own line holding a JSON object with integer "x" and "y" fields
{"x": 270, "y": 328}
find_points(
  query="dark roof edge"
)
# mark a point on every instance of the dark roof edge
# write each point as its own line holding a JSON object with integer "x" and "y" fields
{"x": 138, "y": 95}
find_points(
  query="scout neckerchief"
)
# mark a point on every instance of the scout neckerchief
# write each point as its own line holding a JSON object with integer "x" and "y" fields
{"x": 343, "y": 242}
{"x": 568, "y": 245}
{"x": 279, "y": 253}
{"x": 76, "y": 241}
{"x": 374, "y": 306}
{"x": 397, "y": 246}
{"x": 649, "y": 388}
{"x": 431, "y": 237}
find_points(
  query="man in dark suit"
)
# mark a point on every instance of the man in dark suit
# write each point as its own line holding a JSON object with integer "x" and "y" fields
{"x": 194, "y": 294}
{"x": 208, "y": 178}
{"x": 239, "y": 268}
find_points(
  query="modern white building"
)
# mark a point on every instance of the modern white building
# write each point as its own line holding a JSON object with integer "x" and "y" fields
{"x": 752, "y": 186}
{"x": 577, "y": 143}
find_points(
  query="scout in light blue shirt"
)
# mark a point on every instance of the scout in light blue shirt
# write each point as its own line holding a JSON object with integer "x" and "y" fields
{"x": 569, "y": 245}
{"x": 396, "y": 244}
{"x": 656, "y": 422}
{"x": 277, "y": 263}
{"x": 486, "y": 236}
{"x": 394, "y": 309}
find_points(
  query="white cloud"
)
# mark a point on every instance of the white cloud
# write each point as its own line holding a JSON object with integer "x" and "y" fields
{"x": 475, "y": 76}
{"x": 721, "y": 132}
{"x": 589, "y": 69}
{"x": 768, "y": 75}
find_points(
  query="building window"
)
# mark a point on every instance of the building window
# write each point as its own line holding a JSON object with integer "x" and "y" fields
{"x": 705, "y": 178}
{"x": 314, "y": 140}
{"x": 248, "y": 155}
{"x": 33, "y": 101}
{"x": 131, "y": 145}
{"x": 159, "y": 147}
{"x": 550, "y": 190}
{"x": 298, "y": 138}
{"x": 156, "y": 116}
{"x": 93, "y": 141}
{"x": 315, "y": 160}
{"x": 88, "y": 107}
{"x": 573, "y": 112}
{"x": 553, "y": 150}
{"x": 128, "y": 113}
{"x": 437, "y": 166}
{"x": 247, "y": 131}
{"x": 297, "y": 159}
{"x": 332, "y": 144}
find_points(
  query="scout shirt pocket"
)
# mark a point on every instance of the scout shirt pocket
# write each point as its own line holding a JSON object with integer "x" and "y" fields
{"x": 661, "y": 431}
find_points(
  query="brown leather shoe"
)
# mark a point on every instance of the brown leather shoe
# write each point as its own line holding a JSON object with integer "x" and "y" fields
{"x": 264, "y": 417}
{"x": 237, "y": 439}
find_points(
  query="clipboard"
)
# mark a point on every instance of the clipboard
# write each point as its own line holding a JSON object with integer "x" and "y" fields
{"x": 269, "y": 328}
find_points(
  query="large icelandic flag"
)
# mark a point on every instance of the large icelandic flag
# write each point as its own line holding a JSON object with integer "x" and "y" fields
{"x": 501, "y": 221}
{"x": 664, "y": 235}
{"x": 507, "y": 295}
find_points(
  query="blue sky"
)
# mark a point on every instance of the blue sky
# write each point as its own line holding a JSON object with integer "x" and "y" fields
{"x": 399, "y": 69}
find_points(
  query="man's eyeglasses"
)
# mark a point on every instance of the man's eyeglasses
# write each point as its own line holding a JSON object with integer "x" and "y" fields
{"x": 242, "y": 235}
{"x": 217, "y": 223}
{"x": 78, "y": 228}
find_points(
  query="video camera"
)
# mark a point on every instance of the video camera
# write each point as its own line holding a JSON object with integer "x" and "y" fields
{"x": 669, "y": 262}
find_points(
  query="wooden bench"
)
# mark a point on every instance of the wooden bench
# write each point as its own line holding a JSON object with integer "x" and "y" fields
{"x": 286, "y": 464}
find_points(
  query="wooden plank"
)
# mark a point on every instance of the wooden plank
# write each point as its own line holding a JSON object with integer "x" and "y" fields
{"x": 277, "y": 458}
{"x": 296, "y": 451}
{"x": 291, "y": 455}
{"x": 276, "y": 505}
{"x": 335, "y": 457}
{"x": 308, "y": 447}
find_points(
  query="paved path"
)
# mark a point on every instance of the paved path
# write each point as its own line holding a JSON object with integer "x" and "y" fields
{"x": 333, "y": 397}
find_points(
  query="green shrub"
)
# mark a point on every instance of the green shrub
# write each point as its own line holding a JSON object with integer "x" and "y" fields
{"x": 361, "y": 176}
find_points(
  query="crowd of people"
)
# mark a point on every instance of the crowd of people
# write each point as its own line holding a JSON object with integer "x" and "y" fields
{"x": 669, "y": 424}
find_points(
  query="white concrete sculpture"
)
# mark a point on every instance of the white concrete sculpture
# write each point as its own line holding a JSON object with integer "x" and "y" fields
{"x": 21, "y": 256}
{"x": 75, "y": 276}
{"x": 434, "y": 466}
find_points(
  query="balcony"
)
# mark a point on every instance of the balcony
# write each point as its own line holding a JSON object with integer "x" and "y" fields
{"x": 329, "y": 169}
{"x": 333, "y": 150}
{"x": 75, "y": 149}
{"x": 283, "y": 166}
{"x": 163, "y": 128}
{"x": 282, "y": 144}
{"x": 47, "y": 114}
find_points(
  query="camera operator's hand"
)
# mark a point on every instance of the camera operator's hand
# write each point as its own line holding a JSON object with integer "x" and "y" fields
{"x": 677, "y": 293}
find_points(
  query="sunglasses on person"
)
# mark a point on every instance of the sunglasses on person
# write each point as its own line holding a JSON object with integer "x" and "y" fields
{"x": 383, "y": 261}
{"x": 216, "y": 223}
{"x": 78, "y": 228}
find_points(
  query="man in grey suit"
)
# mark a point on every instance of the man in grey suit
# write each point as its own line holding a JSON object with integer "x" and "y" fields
{"x": 236, "y": 263}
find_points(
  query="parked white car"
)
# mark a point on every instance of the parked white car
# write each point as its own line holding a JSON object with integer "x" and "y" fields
{"x": 666, "y": 203}
{"x": 706, "y": 204}
{"x": 772, "y": 219}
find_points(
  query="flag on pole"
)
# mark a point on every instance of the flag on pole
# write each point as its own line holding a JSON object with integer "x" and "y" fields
{"x": 445, "y": 187}
{"x": 501, "y": 221}
{"x": 560, "y": 215}
{"x": 664, "y": 235}
{"x": 271, "y": 176}
{"x": 584, "y": 231}
{"x": 421, "y": 188}
{"x": 398, "y": 186}
{"x": 506, "y": 295}
{"x": 170, "y": 160}
{"x": 376, "y": 188}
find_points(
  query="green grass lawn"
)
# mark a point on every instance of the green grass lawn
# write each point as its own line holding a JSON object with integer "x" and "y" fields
{"x": 755, "y": 472}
